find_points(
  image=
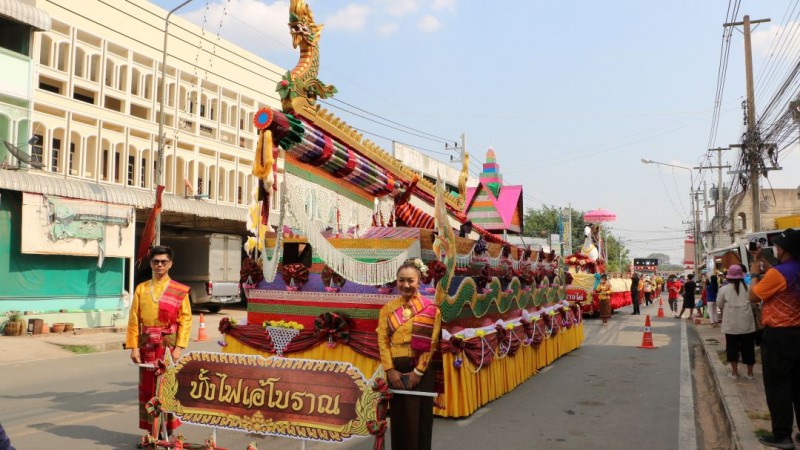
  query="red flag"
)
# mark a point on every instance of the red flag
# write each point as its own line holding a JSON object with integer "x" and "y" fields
{"x": 149, "y": 232}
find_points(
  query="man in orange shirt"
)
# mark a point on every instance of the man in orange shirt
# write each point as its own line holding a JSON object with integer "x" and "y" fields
{"x": 779, "y": 289}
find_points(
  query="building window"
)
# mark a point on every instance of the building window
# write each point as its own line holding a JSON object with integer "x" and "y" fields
{"x": 37, "y": 149}
{"x": 142, "y": 172}
{"x": 15, "y": 36}
{"x": 105, "y": 164}
{"x": 72, "y": 159}
{"x": 54, "y": 154}
{"x": 199, "y": 186}
{"x": 131, "y": 168}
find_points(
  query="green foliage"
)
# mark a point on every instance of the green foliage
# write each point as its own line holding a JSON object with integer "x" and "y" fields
{"x": 80, "y": 349}
{"x": 15, "y": 316}
{"x": 545, "y": 221}
{"x": 662, "y": 258}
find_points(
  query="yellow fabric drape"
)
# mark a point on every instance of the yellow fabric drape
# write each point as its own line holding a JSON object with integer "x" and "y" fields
{"x": 465, "y": 390}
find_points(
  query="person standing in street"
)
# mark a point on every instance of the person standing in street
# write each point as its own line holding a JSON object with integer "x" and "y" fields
{"x": 673, "y": 290}
{"x": 604, "y": 298}
{"x": 635, "y": 293}
{"x": 648, "y": 287}
{"x": 688, "y": 289}
{"x": 737, "y": 323}
{"x": 160, "y": 321}
{"x": 778, "y": 288}
{"x": 408, "y": 333}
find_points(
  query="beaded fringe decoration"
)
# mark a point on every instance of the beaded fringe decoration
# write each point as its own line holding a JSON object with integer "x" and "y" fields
{"x": 269, "y": 266}
{"x": 374, "y": 274}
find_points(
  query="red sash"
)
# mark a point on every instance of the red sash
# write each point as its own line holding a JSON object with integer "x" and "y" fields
{"x": 170, "y": 302}
{"x": 423, "y": 313}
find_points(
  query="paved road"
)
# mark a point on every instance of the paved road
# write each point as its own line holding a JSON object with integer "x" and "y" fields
{"x": 607, "y": 394}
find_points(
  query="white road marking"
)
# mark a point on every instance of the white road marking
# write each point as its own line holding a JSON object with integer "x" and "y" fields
{"x": 687, "y": 435}
{"x": 470, "y": 419}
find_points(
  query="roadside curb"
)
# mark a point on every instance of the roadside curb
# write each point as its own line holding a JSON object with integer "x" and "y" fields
{"x": 741, "y": 427}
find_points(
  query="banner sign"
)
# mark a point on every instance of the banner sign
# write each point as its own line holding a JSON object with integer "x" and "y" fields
{"x": 576, "y": 295}
{"x": 298, "y": 398}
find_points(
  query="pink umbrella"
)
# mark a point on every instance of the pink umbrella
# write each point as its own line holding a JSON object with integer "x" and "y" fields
{"x": 599, "y": 215}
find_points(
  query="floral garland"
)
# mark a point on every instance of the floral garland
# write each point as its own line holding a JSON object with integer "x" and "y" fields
{"x": 331, "y": 279}
{"x": 581, "y": 261}
{"x": 283, "y": 324}
{"x": 250, "y": 273}
{"x": 297, "y": 273}
{"x": 436, "y": 270}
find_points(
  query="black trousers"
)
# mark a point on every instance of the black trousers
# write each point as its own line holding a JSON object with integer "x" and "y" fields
{"x": 780, "y": 354}
{"x": 744, "y": 344}
{"x": 635, "y": 301}
{"x": 411, "y": 422}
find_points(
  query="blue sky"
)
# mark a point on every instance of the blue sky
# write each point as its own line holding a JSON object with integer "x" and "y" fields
{"x": 570, "y": 94}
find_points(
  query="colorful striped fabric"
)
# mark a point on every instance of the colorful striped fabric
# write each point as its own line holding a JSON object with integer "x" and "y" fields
{"x": 414, "y": 217}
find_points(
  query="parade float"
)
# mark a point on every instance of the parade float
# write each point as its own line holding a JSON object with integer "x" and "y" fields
{"x": 587, "y": 265}
{"x": 350, "y": 215}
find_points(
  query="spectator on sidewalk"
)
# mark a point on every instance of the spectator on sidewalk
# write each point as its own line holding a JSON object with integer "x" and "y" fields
{"x": 688, "y": 289}
{"x": 737, "y": 322}
{"x": 779, "y": 290}
{"x": 711, "y": 300}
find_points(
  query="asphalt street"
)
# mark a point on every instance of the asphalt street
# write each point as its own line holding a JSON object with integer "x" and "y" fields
{"x": 607, "y": 394}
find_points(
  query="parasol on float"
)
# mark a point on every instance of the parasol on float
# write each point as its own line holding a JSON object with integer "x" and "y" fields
{"x": 599, "y": 215}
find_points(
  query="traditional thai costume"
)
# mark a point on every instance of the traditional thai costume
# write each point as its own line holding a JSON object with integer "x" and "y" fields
{"x": 604, "y": 299}
{"x": 407, "y": 339}
{"x": 160, "y": 320}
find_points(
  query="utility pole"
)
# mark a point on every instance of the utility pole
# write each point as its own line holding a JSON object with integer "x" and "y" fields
{"x": 752, "y": 141}
{"x": 720, "y": 209}
{"x": 697, "y": 239}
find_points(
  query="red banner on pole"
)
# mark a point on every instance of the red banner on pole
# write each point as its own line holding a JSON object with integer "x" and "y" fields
{"x": 149, "y": 232}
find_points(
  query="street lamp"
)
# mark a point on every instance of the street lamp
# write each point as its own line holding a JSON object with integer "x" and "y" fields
{"x": 695, "y": 225}
{"x": 163, "y": 84}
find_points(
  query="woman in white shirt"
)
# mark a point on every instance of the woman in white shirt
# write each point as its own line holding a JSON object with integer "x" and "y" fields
{"x": 738, "y": 324}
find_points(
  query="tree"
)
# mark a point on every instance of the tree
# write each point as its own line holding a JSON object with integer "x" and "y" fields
{"x": 546, "y": 221}
{"x": 663, "y": 260}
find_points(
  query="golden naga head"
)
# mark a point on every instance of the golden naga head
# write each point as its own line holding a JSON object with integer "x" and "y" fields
{"x": 302, "y": 25}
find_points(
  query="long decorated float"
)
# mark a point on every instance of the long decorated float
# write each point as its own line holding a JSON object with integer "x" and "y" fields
{"x": 584, "y": 269}
{"x": 350, "y": 215}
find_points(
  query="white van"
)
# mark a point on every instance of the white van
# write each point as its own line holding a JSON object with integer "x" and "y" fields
{"x": 209, "y": 264}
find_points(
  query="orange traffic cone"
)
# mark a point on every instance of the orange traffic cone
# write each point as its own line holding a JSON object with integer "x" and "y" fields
{"x": 201, "y": 332}
{"x": 660, "y": 307}
{"x": 647, "y": 337}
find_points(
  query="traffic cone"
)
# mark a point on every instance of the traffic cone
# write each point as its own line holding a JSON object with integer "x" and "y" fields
{"x": 201, "y": 332}
{"x": 647, "y": 337}
{"x": 660, "y": 307}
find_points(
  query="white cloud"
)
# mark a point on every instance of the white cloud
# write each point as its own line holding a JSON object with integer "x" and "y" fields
{"x": 251, "y": 24}
{"x": 351, "y": 18}
{"x": 387, "y": 29}
{"x": 444, "y": 5}
{"x": 428, "y": 24}
{"x": 400, "y": 8}
{"x": 764, "y": 38}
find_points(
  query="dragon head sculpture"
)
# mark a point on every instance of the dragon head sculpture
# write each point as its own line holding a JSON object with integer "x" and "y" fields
{"x": 302, "y": 26}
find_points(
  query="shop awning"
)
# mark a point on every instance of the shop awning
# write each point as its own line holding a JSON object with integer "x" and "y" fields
{"x": 37, "y": 182}
{"x": 25, "y": 13}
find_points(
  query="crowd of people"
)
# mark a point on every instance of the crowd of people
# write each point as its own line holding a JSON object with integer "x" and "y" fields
{"x": 753, "y": 306}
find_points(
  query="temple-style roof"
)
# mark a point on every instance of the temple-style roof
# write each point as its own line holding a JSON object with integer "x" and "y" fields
{"x": 493, "y": 205}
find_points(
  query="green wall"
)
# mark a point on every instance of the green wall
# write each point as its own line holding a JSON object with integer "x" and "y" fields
{"x": 51, "y": 282}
